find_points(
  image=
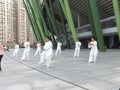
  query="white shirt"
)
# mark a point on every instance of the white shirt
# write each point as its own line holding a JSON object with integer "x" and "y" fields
{"x": 48, "y": 48}
{"x": 93, "y": 46}
{"x": 27, "y": 46}
{"x": 59, "y": 45}
{"x": 78, "y": 45}
{"x": 16, "y": 46}
{"x": 39, "y": 45}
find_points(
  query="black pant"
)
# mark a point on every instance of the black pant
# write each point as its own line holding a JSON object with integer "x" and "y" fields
{"x": 0, "y": 60}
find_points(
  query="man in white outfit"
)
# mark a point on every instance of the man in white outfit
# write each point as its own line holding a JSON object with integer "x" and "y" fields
{"x": 47, "y": 53}
{"x": 16, "y": 50}
{"x": 77, "y": 48}
{"x": 58, "y": 51}
{"x": 38, "y": 51}
{"x": 94, "y": 50}
{"x": 26, "y": 50}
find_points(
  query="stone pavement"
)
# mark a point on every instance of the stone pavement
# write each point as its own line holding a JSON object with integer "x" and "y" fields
{"x": 65, "y": 73}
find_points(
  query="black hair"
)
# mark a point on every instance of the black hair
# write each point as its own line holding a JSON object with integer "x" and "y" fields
{"x": 93, "y": 37}
{"x": 48, "y": 37}
{"x": 27, "y": 39}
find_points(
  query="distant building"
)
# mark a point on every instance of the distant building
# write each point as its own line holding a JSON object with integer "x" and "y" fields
{"x": 14, "y": 22}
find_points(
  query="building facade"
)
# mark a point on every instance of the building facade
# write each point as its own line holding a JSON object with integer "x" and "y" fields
{"x": 14, "y": 23}
{"x": 3, "y": 20}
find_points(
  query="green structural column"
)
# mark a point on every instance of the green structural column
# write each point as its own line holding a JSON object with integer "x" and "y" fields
{"x": 32, "y": 21}
{"x": 117, "y": 15}
{"x": 32, "y": 16}
{"x": 48, "y": 10}
{"x": 39, "y": 9}
{"x": 63, "y": 24}
{"x": 71, "y": 23}
{"x": 67, "y": 12}
{"x": 38, "y": 19}
{"x": 93, "y": 12}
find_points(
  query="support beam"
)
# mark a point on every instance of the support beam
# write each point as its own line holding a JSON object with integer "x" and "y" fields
{"x": 117, "y": 15}
{"x": 39, "y": 9}
{"x": 67, "y": 12}
{"x": 78, "y": 20}
{"x": 52, "y": 35}
{"x": 63, "y": 24}
{"x": 38, "y": 19}
{"x": 96, "y": 26}
{"x": 32, "y": 21}
{"x": 51, "y": 19}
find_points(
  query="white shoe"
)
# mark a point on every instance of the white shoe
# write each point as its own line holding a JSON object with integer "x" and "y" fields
{"x": 90, "y": 62}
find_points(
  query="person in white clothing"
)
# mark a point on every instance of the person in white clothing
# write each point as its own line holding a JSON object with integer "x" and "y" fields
{"x": 58, "y": 50}
{"x": 77, "y": 48}
{"x": 94, "y": 50}
{"x": 38, "y": 51}
{"x": 16, "y": 50}
{"x": 26, "y": 50}
{"x": 47, "y": 53}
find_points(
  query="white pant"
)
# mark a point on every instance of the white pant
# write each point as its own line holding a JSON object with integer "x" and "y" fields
{"x": 77, "y": 53}
{"x": 45, "y": 58}
{"x": 38, "y": 51}
{"x": 25, "y": 55}
{"x": 93, "y": 56}
{"x": 15, "y": 52}
{"x": 58, "y": 51}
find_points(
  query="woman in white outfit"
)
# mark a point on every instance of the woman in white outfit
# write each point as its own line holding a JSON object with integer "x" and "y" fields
{"x": 77, "y": 48}
{"x": 58, "y": 51}
{"x": 47, "y": 53}
{"x": 38, "y": 51}
{"x": 94, "y": 50}
{"x": 26, "y": 50}
{"x": 16, "y": 50}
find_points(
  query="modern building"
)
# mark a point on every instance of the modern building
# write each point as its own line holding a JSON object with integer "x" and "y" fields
{"x": 14, "y": 23}
{"x": 24, "y": 27}
{"x": 22, "y": 24}
{"x": 3, "y": 20}
{"x": 72, "y": 19}
{"x": 15, "y": 19}
{"x": 81, "y": 18}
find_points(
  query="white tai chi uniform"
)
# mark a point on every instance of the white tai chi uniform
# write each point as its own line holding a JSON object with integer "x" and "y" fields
{"x": 16, "y": 50}
{"x": 58, "y": 51}
{"x": 26, "y": 51}
{"x": 47, "y": 53}
{"x": 93, "y": 51}
{"x": 38, "y": 51}
{"x": 77, "y": 49}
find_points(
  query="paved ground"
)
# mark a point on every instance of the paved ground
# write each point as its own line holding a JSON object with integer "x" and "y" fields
{"x": 66, "y": 72}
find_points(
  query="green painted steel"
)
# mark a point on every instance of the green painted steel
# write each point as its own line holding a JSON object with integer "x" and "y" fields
{"x": 96, "y": 23}
{"x": 63, "y": 8}
{"x": 63, "y": 24}
{"x": 51, "y": 19}
{"x": 71, "y": 23}
{"x": 117, "y": 15}
{"x": 38, "y": 19}
{"x": 52, "y": 35}
{"x": 39, "y": 9}
{"x": 32, "y": 21}
{"x": 67, "y": 12}
{"x": 90, "y": 19}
